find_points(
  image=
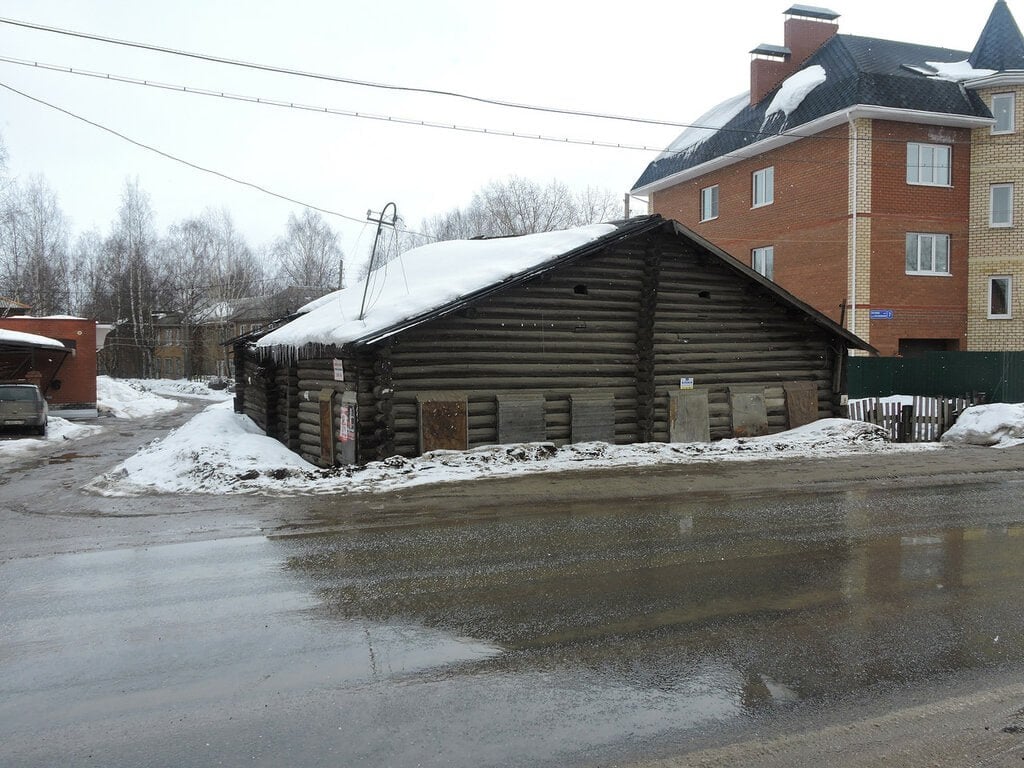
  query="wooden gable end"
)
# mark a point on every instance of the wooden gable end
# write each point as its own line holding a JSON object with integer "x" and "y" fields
{"x": 630, "y": 324}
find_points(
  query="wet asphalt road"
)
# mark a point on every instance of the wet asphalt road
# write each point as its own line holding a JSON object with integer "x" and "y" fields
{"x": 583, "y": 634}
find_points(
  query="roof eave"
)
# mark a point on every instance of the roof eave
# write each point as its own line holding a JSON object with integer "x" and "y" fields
{"x": 806, "y": 130}
{"x": 1010, "y": 77}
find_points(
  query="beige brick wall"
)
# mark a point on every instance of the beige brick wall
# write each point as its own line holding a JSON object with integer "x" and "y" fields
{"x": 859, "y": 246}
{"x": 996, "y": 250}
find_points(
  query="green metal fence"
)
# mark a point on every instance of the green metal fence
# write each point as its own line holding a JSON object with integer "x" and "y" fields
{"x": 999, "y": 375}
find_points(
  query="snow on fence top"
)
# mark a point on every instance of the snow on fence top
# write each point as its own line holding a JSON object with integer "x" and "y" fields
{"x": 28, "y": 339}
{"x": 422, "y": 280}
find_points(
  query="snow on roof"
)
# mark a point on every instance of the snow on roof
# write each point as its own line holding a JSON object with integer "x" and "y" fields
{"x": 424, "y": 279}
{"x": 795, "y": 89}
{"x": 28, "y": 339}
{"x": 707, "y": 125}
{"x": 957, "y": 71}
{"x": 44, "y": 317}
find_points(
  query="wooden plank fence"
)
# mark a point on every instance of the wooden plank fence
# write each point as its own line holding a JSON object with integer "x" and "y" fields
{"x": 920, "y": 422}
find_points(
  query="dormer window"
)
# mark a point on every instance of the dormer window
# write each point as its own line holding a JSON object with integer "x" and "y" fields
{"x": 1003, "y": 108}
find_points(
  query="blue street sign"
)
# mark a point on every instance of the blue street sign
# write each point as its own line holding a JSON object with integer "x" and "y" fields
{"x": 881, "y": 314}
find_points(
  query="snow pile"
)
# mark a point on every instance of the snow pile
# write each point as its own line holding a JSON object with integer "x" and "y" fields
{"x": 57, "y": 431}
{"x": 957, "y": 71}
{"x": 179, "y": 388}
{"x": 209, "y": 454}
{"x": 127, "y": 399}
{"x": 423, "y": 280}
{"x": 706, "y": 126}
{"x": 999, "y": 425}
{"x": 137, "y": 398}
{"x": 221, "y": 452}
{"x": 794, "y": 90}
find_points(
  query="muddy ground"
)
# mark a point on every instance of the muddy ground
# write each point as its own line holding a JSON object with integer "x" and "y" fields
{"x": 976, "y": 723}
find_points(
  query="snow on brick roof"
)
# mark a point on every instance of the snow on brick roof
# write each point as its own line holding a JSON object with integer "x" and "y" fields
{"x": 422, "y": 280}
{"x": 28, "y": 340}
{"x": 795, "y": 89}
{"x": 707, "y": 125}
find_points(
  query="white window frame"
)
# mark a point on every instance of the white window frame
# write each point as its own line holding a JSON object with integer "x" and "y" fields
{"x": 1011, "y": 113}
{"x": 927, "y": 245}
{"x": 763, "y": 187}
{"x": 709, "y": 197}
{"x": 1008, "y": 279}
{"x": 766, "y": 256}
{"x": 929, "y": 174}
{"x": 992, "y": 222}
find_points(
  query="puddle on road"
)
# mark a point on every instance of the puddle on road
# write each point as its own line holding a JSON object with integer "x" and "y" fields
{"x": 65, "y": 458}
{"x": 795, "y": 599}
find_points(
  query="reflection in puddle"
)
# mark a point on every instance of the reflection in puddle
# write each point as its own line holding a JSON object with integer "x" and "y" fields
{"x": 738, "y": 606}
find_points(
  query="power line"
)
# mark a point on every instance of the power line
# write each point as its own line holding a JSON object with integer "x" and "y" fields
{"x": 337, "y": 78}
{"x": 415, "y": 122}
{"x": 385, "y": 86}
{"x": 176, "y": 159}
{"x": 325, "y": 110}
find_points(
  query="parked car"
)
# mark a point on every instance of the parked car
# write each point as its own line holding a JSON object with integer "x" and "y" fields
{"x": 23, "y": 408}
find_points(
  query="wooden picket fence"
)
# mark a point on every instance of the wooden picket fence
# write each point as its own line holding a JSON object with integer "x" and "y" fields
{"x": 923, "y": 421}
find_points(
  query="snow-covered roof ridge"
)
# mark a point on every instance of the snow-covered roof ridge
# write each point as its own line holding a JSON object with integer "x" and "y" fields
{"x": 423, "y": 280}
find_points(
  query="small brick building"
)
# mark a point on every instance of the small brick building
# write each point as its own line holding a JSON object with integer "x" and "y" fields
{"x": 67, "y": 380}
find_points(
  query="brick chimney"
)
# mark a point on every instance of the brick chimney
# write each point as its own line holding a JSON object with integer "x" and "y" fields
{"x": 807, "y": 28}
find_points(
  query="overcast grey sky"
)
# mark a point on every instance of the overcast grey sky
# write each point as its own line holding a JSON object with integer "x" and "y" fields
{"x": 668, "y": 60}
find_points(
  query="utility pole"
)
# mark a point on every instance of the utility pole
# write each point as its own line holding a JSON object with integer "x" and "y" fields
{"x": 381, "y": 222}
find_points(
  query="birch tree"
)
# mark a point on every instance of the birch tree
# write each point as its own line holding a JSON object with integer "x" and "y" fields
{"x": 34, "y": 248}
{"x": 519, "y": 206}
{"x": 309, "y": 255}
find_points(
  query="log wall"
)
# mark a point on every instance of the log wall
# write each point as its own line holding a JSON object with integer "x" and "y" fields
{"x": 722, "y": 331}
{"x": 629, "y": 322}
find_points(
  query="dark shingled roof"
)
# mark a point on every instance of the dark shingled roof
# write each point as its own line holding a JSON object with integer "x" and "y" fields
{"x": 862, "y": 71}
{"x": 1001, "y": 46}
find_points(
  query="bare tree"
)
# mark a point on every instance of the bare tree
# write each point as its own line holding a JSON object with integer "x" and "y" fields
{"x": 309, "y": 254}
{"x": 34, "y": 248}
{"x": 85, "y": 282}
{"x": 519, "y": 206}
{"x": 132, "y": 289}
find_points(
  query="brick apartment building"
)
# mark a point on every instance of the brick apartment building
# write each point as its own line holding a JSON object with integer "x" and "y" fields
{"x": 873, "y": 179}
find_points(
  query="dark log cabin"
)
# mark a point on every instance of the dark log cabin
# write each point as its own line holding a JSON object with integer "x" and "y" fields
{"x": 629, "y": 332}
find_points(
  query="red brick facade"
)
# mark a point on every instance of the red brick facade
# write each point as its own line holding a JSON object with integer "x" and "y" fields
{"x": 76, "y": 391}
{"x": 809, "y": 227}
{"x": 807, "y": 224}
{"x": 925, "y": 307}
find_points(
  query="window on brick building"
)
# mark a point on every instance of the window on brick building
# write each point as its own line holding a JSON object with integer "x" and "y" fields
{"x": 928, "y": 164}
{"x": 709, "y": 203}
{"x": 764, "y": 186}
{"x": 1000, "y": 211}
{"x": 927, "y": 254}
{"x": 1003, "y": 108}
{"x": 763, "y": 261}
{"x": 999, "y": 294}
